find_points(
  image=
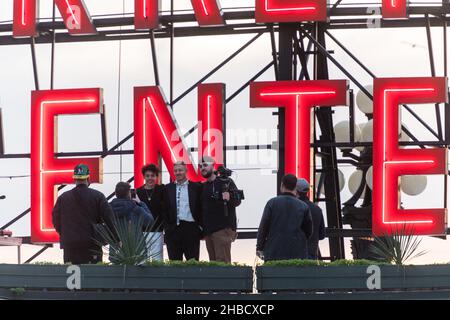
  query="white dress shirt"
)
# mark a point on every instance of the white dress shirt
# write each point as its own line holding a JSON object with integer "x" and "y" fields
{"x": 182, "y": 200}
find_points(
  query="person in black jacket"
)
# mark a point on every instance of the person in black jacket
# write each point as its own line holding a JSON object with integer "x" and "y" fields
{"x": 285, "y": 226}
{"x": 317, "y": 218}
{"x": 219, "y": 213}
{"x": 152, "y": 194}
{"x": 183, "y": 219}
{"x": 74, "y": 216}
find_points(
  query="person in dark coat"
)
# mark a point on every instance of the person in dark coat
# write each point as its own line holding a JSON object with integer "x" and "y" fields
{"x": 285, "y": 226}
{"x": 183, "y": 220}
{"x": 132, "y": 210}
{"x": 317, "y": 218}
{"x": 152, "y": 194}
{"x": 219, "y": 212}
{"x": 74, "y": 216}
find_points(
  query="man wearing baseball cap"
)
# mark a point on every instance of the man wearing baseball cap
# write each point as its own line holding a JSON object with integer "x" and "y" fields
{"x": 317, "y": 218}
{"x": 74, "y": 216}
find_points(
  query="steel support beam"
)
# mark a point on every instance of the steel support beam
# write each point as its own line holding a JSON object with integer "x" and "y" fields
{"x": 329, "y": 160}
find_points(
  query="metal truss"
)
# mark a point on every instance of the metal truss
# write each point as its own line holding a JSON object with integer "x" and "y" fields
{"x": 298, "y": 43}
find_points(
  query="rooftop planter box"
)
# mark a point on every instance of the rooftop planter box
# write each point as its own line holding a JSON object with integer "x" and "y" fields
{"x": 351, "y": 277}
{"x": 146, "y": 278}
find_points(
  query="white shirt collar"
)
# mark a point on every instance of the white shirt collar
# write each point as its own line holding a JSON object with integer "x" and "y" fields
{"x": 182, "y": 184}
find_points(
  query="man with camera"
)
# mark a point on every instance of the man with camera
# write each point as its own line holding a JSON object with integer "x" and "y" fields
{"x": 220, "y": 197}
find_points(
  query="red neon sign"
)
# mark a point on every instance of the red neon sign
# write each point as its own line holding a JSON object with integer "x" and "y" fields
{"x": 74, "y": 13}
{"x": 211, "y": 107}
{"x": 208, "y": 12}
{"x": 25, "y": 15}
{"x": 76, "y": 17}
{"x": 146, "y": 14}
{"x": 392, "y": 9}
{"x": 298, "y": 97}
{"x": 47, "y": 171}
{"x": 267, "y": 11}
{"x": 156, "y": 133}
{"x": 390, "y": 162}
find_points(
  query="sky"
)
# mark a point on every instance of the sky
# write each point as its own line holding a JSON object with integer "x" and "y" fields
{"x": 387, "y": 53}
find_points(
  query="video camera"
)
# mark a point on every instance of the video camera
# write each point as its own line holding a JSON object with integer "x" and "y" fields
{"x": 223, "y": 176}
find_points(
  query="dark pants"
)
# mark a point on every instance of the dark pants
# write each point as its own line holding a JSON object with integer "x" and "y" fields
{"x": 87, "y": 255}
{"x": 183, "y": 240}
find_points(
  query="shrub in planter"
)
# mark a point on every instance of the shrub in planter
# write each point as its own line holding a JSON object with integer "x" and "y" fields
{"x": 348, "y": 275}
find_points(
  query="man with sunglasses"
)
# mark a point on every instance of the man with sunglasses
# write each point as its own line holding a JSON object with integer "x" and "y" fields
{"x": 219, "y": 213}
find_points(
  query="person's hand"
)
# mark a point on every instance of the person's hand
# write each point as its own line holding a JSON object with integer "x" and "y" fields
{"x": 226, "y": 196}
{"x": 137, "y": 200}
{"x": 260, "y": 254}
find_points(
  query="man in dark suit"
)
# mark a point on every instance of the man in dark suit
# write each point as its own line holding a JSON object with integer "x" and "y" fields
{"x": 286, "y": 225}
{"x": 182, "y": 216}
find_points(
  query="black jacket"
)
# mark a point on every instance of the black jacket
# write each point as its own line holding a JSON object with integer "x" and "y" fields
{"x": 156, "y": 204}
{"x": 133, "y": 212}
{"x": 318, "y": 228}
{"x": 285, "y": 226}
{"x": 216, "y": 216}
{"x": 170, "y": 202}
{"x": 75, "y": 213}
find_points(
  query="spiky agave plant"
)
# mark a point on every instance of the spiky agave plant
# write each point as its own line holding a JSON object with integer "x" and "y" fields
{"x": 401, "y": 246}
{"x": 127, "y": 243}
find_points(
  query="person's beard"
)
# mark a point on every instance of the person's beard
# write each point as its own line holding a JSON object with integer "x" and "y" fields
{"x": 207, "y": 174}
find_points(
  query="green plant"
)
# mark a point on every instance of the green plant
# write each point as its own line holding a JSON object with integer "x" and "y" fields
{"x": 126, "y": 243}
{"x": 47, "y": 263}
{"x": 17, "y": 291}
{"x": 295, "y": 263}
{"x": 399, "y": 247}
{"x": 318, "y": 263}
{"x": 190, "y": 263}
{"x": 357, "y": 262}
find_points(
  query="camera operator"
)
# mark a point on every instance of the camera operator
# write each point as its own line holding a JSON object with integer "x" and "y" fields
{"x": 220, "y": 197}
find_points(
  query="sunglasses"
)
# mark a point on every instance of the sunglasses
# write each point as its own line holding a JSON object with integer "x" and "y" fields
{"x": 204, "y": 165}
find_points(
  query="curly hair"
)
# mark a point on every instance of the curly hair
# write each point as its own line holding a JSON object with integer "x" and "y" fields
{"x": 152, "y": 168}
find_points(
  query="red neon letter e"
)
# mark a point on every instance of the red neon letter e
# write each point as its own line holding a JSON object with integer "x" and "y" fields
{"x": 298, "y": 97}
{"x": 268, "y": 11}
{"x": 392, "y": 9}
{"x": 156, "y": 132}
{"x": 390, "y": 162}
{"x": 47, "y": 171}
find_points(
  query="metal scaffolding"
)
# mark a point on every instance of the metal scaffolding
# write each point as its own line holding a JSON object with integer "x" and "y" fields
{"x": 298, "y": 44}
